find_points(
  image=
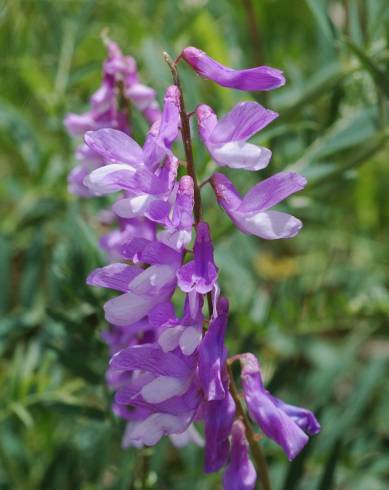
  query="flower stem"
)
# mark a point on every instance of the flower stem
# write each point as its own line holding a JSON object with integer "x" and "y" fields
{"x": 255, "y": 35}
{"x": 259, "y": 459}
{"x": 186, "y": 138}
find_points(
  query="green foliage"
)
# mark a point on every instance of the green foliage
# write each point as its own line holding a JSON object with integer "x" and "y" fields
{"x": 314, "y": 308}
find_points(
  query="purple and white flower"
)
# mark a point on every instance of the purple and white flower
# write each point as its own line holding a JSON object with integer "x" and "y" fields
{"x": 252, "y": 214}
{"x": 286, "y": 424}
{"x": 169, "y": 372}
{"x": 226, "y": 139}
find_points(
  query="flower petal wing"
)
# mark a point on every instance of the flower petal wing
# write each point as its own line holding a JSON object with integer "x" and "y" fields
{"x": 114, "y": 146}
{"x": 242, "y": 122}
{"x": 114, "y": 276}
{"x": 271, "y": 191}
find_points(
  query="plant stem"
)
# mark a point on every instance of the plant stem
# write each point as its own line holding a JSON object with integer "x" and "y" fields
{"x": 256, "y": 44}
{"x": 186, "y": 138}
{"x": 259, "y": 459}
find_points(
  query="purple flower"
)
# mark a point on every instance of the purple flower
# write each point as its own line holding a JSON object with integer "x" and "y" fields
{"x": 174, "y": 333}
{"x": 213, "y": 354}
{"x": 150, "y": 252}
{"x": 252, "y": 214}
{"x": 240, "y": 473}
{"x": 130, "y": 167}
{"x": 226, "y": 140}
{"x": 104, "y": 111}
{"x": 116, "y": 276}
{"x": 169, "y": 371}
{"x": 160, "y": 184}
{"x": 161, "y": 383}
{"x": 175, "y": 213}
{"x": 218, "y": 417}
{"x": 165, "y": 131}
{"x": 115, "y": 146}
{"x": 144, "y": 98}
{"x": 259, "y": 78}
{"x": 123, "y": 69}
{"x": 283, "y": 423}
{"x": 113, "y": 241}
{"x": 148, "y": 430}
{"x": 200, "y": 274}
{"x": 143, "y": 291}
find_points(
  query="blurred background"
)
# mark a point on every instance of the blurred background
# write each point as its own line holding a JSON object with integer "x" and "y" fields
{"x": 314, "y": 309}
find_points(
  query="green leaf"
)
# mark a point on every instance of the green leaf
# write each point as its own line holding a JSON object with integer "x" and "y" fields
{"x": 380, "y": 77}
{"x": 19, "y": 129}
{"x": 319, "y": 11}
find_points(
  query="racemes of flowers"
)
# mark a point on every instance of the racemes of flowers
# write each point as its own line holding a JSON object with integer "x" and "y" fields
{"x": 170, "y": 370}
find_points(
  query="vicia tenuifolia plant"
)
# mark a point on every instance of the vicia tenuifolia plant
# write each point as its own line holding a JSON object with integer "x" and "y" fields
{"x": 170, "y": 369}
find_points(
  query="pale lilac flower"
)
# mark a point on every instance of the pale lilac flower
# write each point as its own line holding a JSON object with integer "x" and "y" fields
{"x": 144, "y": 98}
{"x": 251, "y": 79}
{"x": 163, "y": 384}
{"x": 240, "y": 473}
{"x": 184, "y": 333}
{"x": 226, "y": 139}
{"x": 119, "y": 78}
{"x": 117, "y": 147}
{"x": 159, "y": 185}
{"x": 129, "y": 167}
{"x": 285, "y": 424}
{"x": 156, "y": 284}
{"x": 124, "y": 70}
{"x": 200, "y": 274}
{"x": 169, "y": 372}
{"x": 104, "y": 111}
{"x": 252, "y": 213}
{"x": 144, "y": 291}
{"x": 175, "y": 214}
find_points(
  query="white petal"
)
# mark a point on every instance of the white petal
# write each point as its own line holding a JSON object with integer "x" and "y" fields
{"x": 175, "y": 239}
{"x": 128, "y": 308}
{"x": 153, "y": 279}
{"x": 149, "y": 431}
{"x": 131, "y": 207}
{"x": 190, "y": 339}
{"x": 270, "y": 225}
{"x": 194, "y": 303}
{"x": 169, "y": 338}
{"x": 238, "y": 154}
{"x": 102, "y": 181}
{"x": 164, "y": 387}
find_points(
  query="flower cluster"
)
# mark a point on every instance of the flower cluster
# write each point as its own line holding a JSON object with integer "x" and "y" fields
{"x": 120, "y": 81}
{"x": 170, "y": 372}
